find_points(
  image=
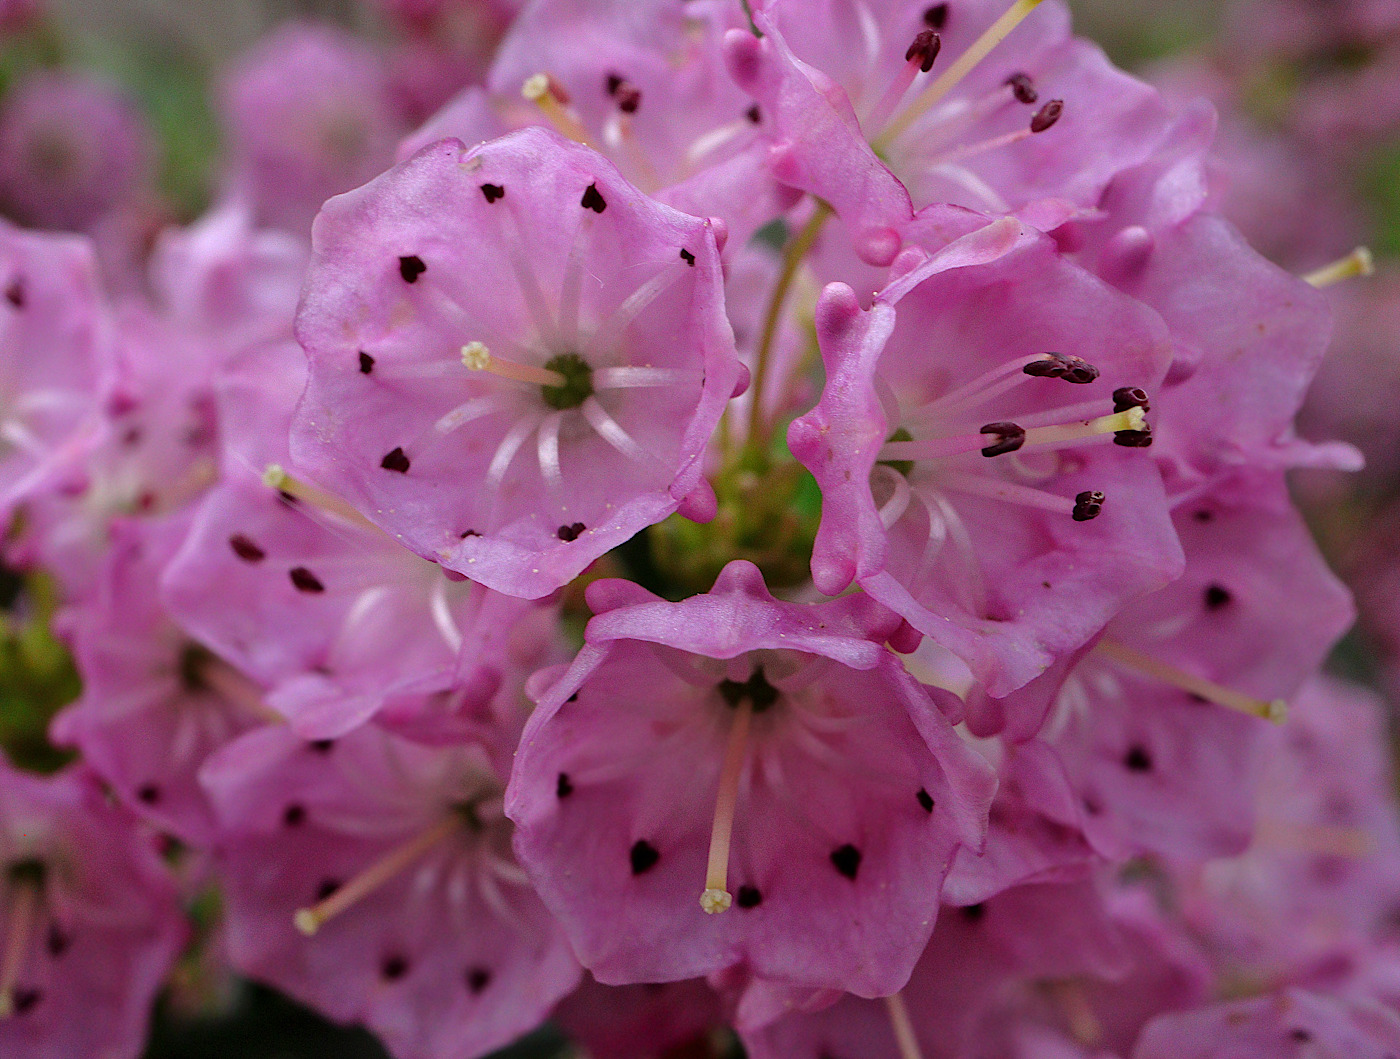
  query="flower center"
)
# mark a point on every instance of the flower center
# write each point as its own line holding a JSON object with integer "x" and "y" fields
{"x": 577, "y": 386}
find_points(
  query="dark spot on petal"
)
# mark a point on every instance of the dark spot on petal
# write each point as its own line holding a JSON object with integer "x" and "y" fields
{"x": 1300, "y": 1035}
{"x": 572, "y": 698}
{"x": 936, "y": 17}
{"x": 563, "y": 787}
{"x": 395, "y": 460}
{"x": 304, "y": 580}
{"x": 748, "y": 897}
{"x": 294, "y": 815}
{"x": 411, "y": 267}
{"x": 846, "y": 860}
{"x": 613, "y": 82}
{"x": 688, "y": 258}
{"x": 148, "y": 793}
{"x": 326, "y": 887}
{"x": 26, "y": 999}
{"x": 245, "y": 549}
{"x": 925, "y": 800}
{"x": 974, "y": 913}
{"x": 1137, "y": 759}
{"x": 570, "y": 533}
{"x": 629, "y": 98}
{"x": 754, "y": 114}
{"x": 643, "y": 856}
{"x": 492, "y": 192}
{"x": 1023, "y": 88}
{"x": 1047, "y": 115}
{"x": 14, "y": 293}
{"x": 56, "y": 941}
{"x": 593, "y": 200}
{"x": 392, "y": 968}
{"x": 477, "y": 978}
{"x": 366, "y": 363}
{"x": 321, "y": 746}
{"x": 1217, "y": 596}
{"x": 1203, "y": 515}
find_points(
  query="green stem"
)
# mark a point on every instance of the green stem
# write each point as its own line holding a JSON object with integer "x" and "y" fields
{"x": 796, "y": 250}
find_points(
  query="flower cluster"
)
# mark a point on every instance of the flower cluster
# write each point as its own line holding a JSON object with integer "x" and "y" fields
{"x": 779, "y": 506}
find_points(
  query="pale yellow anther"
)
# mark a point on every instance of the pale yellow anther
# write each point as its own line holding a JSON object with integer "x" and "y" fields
{"x": 1357, "y": 263}
{"x": 476, "y": 356}
{"x": 275, "y": 477}
{"x": 535, "y": 87}
{"x": 540, "y": 90}
{"x": 1275, "y": 710}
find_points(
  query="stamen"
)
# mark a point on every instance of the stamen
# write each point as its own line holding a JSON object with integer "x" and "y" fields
{"x": 310, "y": 920}
{"x": 547, "y": 448}
{"x": 1047, "y": 115}
{"x": 477, "y": 357}
{"x": 610, "y": 431}
{"x": 24, "y": 906}
{"x": 629, "y": 377}
{"x": 1357, "y": 263}
{"x": 618, "y": 131}
{"x": 903, "y": 1027}
{"x": 1073, "y": 1002}
{"x": 509, "y": 446}
{"x": 1011, "y": 492}
{"x": 547, "y": 94}
{"x": 950, "y": 77}
{"x": 276, "y": 478}
{"x": 918, "y": 59}
{"x": 233, "y": 686}
{"x": 1130, "y": 658}
{"x": 716, "y": 897}
{"x": 1023, "y": 88}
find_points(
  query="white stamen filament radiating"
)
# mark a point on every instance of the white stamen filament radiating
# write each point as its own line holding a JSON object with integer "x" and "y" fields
{"x": 476, "y": 357}
{"x": 1010, "y": 492}
{"x": 903, "y": 1027}
{"x": 509, "y": 446}
{"x": 571, "y": 285}
{"x": 716, "y": 897}
{"x": 547, "y": 448}
{"x": 715, "y": 139}
{"x": 893, "y": 509}
{"x": 274, "y": 477}
{"x": 310, "y": 920}
{"x": 443, "y": 620}
{"x": 1357, "y": 263}
{"x": 1275, "y": 710}
{"x": 609, "y": 334}
{"x": 634, "y": 378}
{"x": 469, "y": 411}
{"x": 981, "y": 389}
{"x": 961, "y": 67}
{"x": 539, "y": 91}
{"x": 609, "y": 430}
{"x": 23, "y": 911}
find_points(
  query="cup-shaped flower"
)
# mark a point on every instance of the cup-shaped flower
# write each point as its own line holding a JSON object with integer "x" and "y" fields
{"x": 516, "y": 358}
{"x": 773, "y": 760}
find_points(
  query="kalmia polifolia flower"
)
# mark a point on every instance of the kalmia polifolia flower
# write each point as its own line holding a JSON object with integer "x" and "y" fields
{"x": 516, "y": 358}
{"x": 308, "y": 116}
{"x": 55, "y": 346}
{"x": 72, "y": 150}
{"x": 339, "y": 622}
{"x": 372, "y": 879}
{"x": 1159, "y": 727}
{"x": 771, "y": 759}
{"x": 646, "y": 1021}
{"x": 155, "y": 704}
{"x": 90, "y": 920}
{"x": 978, "y": 445}
{"x": 881, "y": 109}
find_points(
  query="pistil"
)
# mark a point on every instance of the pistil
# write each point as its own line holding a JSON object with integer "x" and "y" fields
{"x": 477, "y": 357}
{"x": 547, "y": 94}
{"x": 276, "y": 478}
{"x": 1275, "y": 710}
{"x": 1357, "y": 263}
{"x": 310, "y": 920}
{"x": 716, "y": 897}
{"x": 961, "y": 67}
{"x": 902, "y": 1026}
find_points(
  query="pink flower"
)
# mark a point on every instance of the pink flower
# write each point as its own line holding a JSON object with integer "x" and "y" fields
{"x": 829, "y": 791}
{"x": 519, "y": 296}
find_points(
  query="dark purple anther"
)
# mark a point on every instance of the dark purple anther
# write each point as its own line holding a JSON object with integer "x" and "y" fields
{"x": 924, "y": 49}
{"x": 1047, "y": 115}
{"x": 1087, "y": 505}
{"x": 1023, "y": 88}
{"x": 1010, "y": 437}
